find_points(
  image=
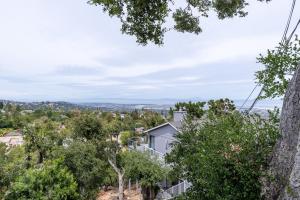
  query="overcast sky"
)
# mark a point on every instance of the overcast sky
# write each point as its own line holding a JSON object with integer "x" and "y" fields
{"x": 69, "y": 50}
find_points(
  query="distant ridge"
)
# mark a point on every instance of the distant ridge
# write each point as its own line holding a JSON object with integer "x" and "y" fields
{"x": 119, "y": 104}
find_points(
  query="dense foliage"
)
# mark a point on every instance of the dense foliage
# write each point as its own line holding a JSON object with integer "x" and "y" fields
{"x": 74, "y": 144}
{"x": 224, "y": 156}
{"x": 52, "y": 181}
{"x": 146, "y": 20}
{"x": 146, "y": 169}
{"x": 193, "y": 109}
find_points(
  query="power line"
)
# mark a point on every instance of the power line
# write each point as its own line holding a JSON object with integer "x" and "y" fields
{"x": 288, "y": 22}
{"x": 249, "y": 96}
{"x": 294, "y": 30}
{"x": 284, "y": 41}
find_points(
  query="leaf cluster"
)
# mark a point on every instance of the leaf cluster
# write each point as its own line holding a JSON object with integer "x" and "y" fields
{"x": 146, "y": 20}
{"x": 225, "y": 156}
{"x": 280, "y": 64}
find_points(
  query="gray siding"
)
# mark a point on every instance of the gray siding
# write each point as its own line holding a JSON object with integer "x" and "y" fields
{"x": 164, "y": 136}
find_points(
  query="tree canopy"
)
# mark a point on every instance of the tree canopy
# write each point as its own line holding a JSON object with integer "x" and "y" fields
{"x": 147, "y": 20}
{"x": 52, "y": 181}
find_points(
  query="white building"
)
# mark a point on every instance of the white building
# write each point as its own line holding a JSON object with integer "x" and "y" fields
{"x": 13, "y": 138}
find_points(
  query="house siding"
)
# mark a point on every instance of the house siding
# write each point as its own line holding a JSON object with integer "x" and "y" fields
{"x": 163, "y": 137}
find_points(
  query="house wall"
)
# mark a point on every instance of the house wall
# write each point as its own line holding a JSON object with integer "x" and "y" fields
{"x": 163, "y": 137}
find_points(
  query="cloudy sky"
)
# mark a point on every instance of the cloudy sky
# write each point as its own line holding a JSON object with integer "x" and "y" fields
{"x": 69, "y": 50}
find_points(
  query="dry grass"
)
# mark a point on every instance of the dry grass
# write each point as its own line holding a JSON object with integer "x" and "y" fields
{"x": 112, "y": 194}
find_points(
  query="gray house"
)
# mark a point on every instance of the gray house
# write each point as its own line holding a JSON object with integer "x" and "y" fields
{"x": 158, "y": 142}
{"x": 160, "y": 137}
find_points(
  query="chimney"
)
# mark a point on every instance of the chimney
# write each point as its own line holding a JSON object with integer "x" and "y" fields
{"x": 178, "y": 116}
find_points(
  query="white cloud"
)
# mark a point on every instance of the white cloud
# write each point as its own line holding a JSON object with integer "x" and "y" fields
{"x": 47, "y": 45}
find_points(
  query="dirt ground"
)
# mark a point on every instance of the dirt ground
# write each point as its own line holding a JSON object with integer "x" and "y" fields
{"x": 112, "y": 194}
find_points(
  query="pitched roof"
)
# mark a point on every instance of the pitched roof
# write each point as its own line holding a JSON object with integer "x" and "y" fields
{"x": 176, "y": 125}
{"x": 14, "y": 133}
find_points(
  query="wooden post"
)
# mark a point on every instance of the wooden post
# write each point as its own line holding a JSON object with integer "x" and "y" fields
{"x": 129, "y": 186}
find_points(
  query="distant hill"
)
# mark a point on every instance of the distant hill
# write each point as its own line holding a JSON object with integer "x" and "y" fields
{"x": 158, "y": 105}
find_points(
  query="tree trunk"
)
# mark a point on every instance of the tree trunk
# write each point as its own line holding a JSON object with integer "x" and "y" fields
{"x": 41, "y": 157}
{"x": 285, "y": 161}
{"x": 120, "y": 173}
{"x": 121, "y": 186}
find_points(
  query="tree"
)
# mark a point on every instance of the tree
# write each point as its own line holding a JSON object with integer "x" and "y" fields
{"x": 89, "y": 169}
{"x": 91, "y": 143}
{"x": 284, "y": 164}
{"x": 89, "y": 127}
{"x": 152, "y": 119}
{"x": 146, "y": 169}
{"x": 41, "y": 137}
{"x": 146, "y": 20}
{"x": 224, "y": 156}
{"x": 125, "y": 136}
{"x": 2, "y": 165}
{"x": 115, "y": 163}
{"x": 1, "y": 105}
{"x": 193, "y": 109}
{"x": 52, "y": 181}
{"x": 221, "y": 106}
{"x": 11, "y": 166}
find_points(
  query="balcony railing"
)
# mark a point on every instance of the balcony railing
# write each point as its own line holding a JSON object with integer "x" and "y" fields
{"x": 142, "y": 147}
{"x": 178, "y": 189}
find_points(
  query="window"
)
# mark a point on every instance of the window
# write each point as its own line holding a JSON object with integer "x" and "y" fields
{"x": 152, "y": 142}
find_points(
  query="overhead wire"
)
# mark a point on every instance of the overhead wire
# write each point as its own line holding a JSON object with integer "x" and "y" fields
{"x": 284, "y": 41}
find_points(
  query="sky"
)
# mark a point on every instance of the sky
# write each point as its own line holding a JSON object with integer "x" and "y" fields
{"x": 69, "y": 50}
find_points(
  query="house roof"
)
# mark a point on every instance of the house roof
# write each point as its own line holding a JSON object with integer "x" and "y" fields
{"x": 176, "y": 125}
{"x": 14, "y": 133}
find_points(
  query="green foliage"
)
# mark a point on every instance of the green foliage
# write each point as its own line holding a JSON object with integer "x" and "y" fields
{"x": 52, "y": 181}
{"x": 152, "y": 119}
{"x": 221, "y": 106}
{"x": 280, "y": 64}
{"x": 186, "y": 22}
{"x": 11, "y": 165}
{"x": 3, "y": 131}
{"x": 88, "y": 168}
{"x": 224, "y": 156}
{"x": 146, "y": 20}
{"x": 41, "y": 137}
{"x": 125, "y": 136}
{"x": 194, "y": 109}
{"x": 143, "y": 167}
{"x": 89, "y": 127}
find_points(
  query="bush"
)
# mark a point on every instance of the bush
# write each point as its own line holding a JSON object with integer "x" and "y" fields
{"x": 52, "y": 181}
{"x": 225, "y": 156}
